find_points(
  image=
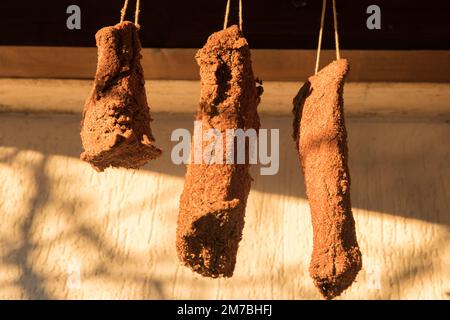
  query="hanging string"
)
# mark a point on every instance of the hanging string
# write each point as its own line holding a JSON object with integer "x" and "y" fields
{"x": 336, "y": 33}
{"x": 240, "y": 15}
{"x": 227, "y": 14}
{"x": 123, "y": 12}
{"x": 319, "y": 45}
{"x": 136, "y": 14}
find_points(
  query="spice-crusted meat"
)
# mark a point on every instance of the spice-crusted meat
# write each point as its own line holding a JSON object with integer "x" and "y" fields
{"x": 212, "y": 205}
{"x": 321, "y": 139}
{"x": 115, "y": 130}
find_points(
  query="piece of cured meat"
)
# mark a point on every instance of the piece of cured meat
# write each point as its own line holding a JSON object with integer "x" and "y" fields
{"x": 115, "y": 130}
{"x": 212, "y": 205}
{"x": 321, "y": 139}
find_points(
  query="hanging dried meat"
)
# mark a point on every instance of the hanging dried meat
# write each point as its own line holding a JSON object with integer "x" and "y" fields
{"x": 321, "y": 139}
{"x": 212, "y": 205}
{"x": 115, "y": 129}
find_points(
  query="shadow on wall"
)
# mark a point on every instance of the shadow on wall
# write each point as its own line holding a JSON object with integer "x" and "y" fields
{"x": 21, "y": 251}
{"x": 32, "y": 283}
{"x": 396, "y": 168}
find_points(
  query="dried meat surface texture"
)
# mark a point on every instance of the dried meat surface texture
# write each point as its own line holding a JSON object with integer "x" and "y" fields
{"x": 115, "y": 130}
{"x": 212, "y": 205}
{"x": 321, "y": 140}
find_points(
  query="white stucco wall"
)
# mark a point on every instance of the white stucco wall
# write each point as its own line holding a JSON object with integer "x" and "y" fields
{"x": 69, "y": 232}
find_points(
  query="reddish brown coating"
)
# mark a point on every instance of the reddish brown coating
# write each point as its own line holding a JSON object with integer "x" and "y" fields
{"x": 321, "y": 138}
{"x": 212, "y": 205}
{"x": 115, "y": 130}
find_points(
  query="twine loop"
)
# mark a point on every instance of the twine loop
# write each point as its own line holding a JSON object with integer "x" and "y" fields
{"x": 336, "y": 35}
{"x": 123, "y": 12}
{"x": 227, "y": 13}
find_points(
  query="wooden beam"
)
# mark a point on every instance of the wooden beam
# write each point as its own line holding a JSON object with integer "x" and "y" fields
{"x": 269, "y": 65}
{"x": 393, "y": 100}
